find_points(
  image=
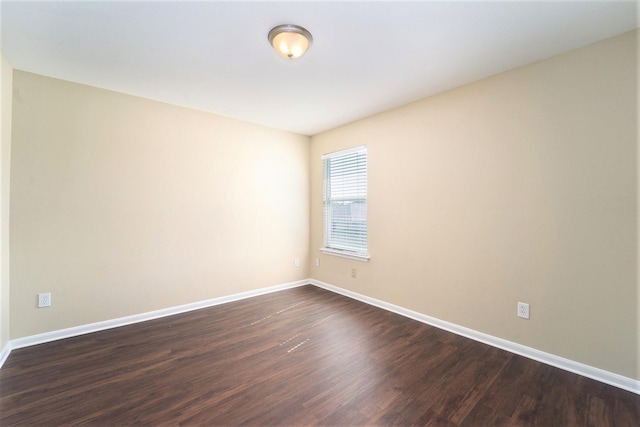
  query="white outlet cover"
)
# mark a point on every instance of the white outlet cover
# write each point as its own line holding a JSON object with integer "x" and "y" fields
{"x": 44, "y": 300}
{"x": 523, "y": 310}
{"x": 296, "y": 262}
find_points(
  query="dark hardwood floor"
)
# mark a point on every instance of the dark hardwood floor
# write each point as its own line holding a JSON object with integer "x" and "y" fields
{"x": 304, "y": 356}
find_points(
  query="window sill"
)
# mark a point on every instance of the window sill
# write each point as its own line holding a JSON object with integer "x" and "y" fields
{"x": 334, "y": 252}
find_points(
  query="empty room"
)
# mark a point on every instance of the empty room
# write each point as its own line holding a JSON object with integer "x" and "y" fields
{"x": 319, "y": 213}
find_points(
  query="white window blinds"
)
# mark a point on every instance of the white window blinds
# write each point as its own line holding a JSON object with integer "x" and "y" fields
{"x": 345, "y": 202}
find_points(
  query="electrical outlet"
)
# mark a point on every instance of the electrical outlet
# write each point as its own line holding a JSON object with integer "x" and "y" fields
{"x": 523, "y": 310}
{"x": 317, "y": 262}
{"x": 296, "y": 262}
{"x": 44, "y": 300}
{"x": 353, "y": 273}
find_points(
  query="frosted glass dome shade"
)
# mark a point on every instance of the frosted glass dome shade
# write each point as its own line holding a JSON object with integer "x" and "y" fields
{"x": 290, "y": 41}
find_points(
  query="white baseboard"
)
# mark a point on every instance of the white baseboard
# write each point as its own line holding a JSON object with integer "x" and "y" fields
{"x": 5, "y": 353}
{"x": 136, "y": 318}
{"x": 597, "y": 374}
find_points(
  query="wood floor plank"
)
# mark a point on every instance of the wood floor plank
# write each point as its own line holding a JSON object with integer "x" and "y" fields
{"x": 304, "y": 356}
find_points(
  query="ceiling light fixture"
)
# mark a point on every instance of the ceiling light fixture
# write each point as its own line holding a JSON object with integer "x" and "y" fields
{"x": 290, "y": 41}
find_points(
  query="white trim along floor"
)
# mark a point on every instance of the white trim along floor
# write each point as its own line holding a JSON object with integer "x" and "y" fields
{"x": 597, "y": 374}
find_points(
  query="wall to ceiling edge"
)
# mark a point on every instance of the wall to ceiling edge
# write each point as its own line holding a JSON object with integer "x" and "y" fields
{"x": 521, "y": 187}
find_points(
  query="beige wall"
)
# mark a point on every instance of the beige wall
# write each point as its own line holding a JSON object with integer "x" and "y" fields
{"x": 520, "y": 187}
{"x": 637, "y": 57}
{"x": 122, "y": 205}
{"x": 6, "y": 82}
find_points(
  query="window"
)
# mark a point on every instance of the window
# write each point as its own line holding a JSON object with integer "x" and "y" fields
{"x": 345, "y": 203}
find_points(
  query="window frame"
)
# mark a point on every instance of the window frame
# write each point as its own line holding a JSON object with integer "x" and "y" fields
{"x": 329, "y": 247}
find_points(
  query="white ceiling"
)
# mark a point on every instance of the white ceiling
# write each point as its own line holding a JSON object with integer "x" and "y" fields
{"x": 366, "y": 57}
